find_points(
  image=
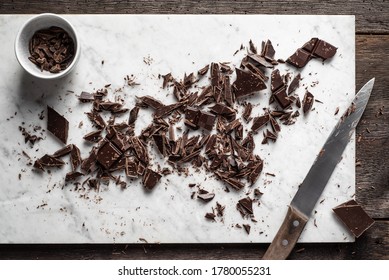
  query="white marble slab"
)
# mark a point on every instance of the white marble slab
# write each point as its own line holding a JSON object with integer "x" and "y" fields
{"x": 39, "y": 209}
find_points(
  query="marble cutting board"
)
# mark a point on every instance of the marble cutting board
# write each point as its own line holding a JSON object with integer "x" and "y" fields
{"x": 38, "y": 208}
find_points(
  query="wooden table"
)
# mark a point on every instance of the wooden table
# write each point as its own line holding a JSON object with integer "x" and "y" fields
{"x": 372, "y": 163}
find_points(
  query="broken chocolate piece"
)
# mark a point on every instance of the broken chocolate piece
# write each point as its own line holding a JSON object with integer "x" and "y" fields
{"x": 247, "y": 83}
{"x": 205, "y": 195}
{"x": 94, "y": 136}
{"x": 223, "y": 110}
{"x": 150, "y": 179}
{"x": 73, "y": 175}
{"x": 107, "y": 154}
{"x": 86, "y": 97}
{"x": 151, "y": 101}
{"x": 210, "y": 216}
{"x": 131, "y": 168}
{"x": 64, "y": 151}
{"x": 247, "y": 204}
{"x": 259, "y": 122}
{"x": 75, "y": 157}
{"x": 50, "y": 161}
{"x": 133, "y": 115}
{"x": 97, "y": 119}
{"x": 57, "y": 125}
{"x": 246, "y": 228}
{"x": 282, "y": 98}
{"x": 203, "y": 70}
{"x": 354, "y": 217}
{"x": 324, "y": 50}
{"x": 299, "y": 59}
{"x": 308, "y": 102}
{"x": 206, "y": 120}
{"x": 276, "y": 80}
{"x": 248, "y": 107}
{"x": 294, "y": 84}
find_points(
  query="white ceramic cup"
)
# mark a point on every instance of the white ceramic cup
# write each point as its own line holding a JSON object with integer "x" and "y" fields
{"x": 38, "y": 22}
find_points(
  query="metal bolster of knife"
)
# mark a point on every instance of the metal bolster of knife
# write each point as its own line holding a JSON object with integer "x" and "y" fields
{"x": 287, "y": 235}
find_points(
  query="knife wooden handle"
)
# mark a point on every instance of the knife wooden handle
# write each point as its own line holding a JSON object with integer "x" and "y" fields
{"x": 287, "y": 236}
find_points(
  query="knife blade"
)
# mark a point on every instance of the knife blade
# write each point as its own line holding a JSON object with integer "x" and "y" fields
{"x": 317, "y": 178}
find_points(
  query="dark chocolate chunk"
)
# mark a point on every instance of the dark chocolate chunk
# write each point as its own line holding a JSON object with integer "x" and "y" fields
{"x": 97, "y": 119}
{"x": 274, "y": 124}
{"x": 354, "y": 217}
{"x": 192, "y": 117}
{"x": 253, "y": 49}
{"x": 294, "y": 84}
{"x": 94, "y": 136}
{"x": 203, "y": 70}
{"x": 57, "y": 125}
{"x": 258, "y": 60}
{"x": 256, "y": 171}
{"x": 246, "y": 228}
{"x": 220, "y": 209}
{"x": 131, "y": 168}
{"x": 205, "y": 195}
{"x": 51, "y": 161}
{"x": 223, "y": 110}
{"x": 150, "y": 179}
{"x": 276, "y": 80}
{"x": 167, "y": 109}
{"x": 268, "y": 51}
{"x": 160, "y": 141}
{"x": 247, "y": 83}
{"x": 151, "y": 101}
{"x": 324, "y": 50}
{"x": 133, "y": 115}
{"x": 108, "y": 154}
{"x": 259, "y": 122}
{"x": 247, "y": 204}
{"x": 206, "y": 120}
{"x": 299, "y": 59}
{"x": 248, "y": 107}
{"x": 210, "y": 216}
{"x": 228, "y": 96}
{"x": 282, "y": 98}
{"x": 86, "y": 97}
{"x": 75, "y": 157}
{"x": 166, "y": 79}
{"x": 63, "y": 151}
{"x": 308, "y": 102}
{"x": 73, "y": 175}
{"x": 215, "y": 74}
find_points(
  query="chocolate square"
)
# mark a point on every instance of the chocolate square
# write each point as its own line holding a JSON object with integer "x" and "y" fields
{"x": 57, "y": 125}
{"x": 108, "y": 154}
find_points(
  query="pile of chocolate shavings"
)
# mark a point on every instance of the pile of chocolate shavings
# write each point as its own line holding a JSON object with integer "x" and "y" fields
{"x": 221, "y": 148}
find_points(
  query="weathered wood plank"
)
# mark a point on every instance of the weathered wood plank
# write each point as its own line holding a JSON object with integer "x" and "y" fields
{"x": 371, "y": 16}
{"x": 372, "y": 171}
{"x": 374, "y": 244}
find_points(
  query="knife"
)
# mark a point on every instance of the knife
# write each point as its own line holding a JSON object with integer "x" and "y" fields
{"x": 314, "y": 183}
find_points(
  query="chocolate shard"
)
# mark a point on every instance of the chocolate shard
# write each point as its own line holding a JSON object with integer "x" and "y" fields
{"x": 256, "y": 171}
{"x": 210, "y": 216}
{"x": 150, "y": 179}
{"x": 215, "y": 74}
{"x": 133, "y": 115}
{"x": 107, "y": 154}
{"x": 86, "y": 97}
{"x": 274, "y": 124}
{"x": 205, "y": 195}
{"x": 75, "y": 157}
{"x": 167, "y": 109}
{"x": 294, "y": 84}
{"x": 276, "y": 80}
{"x": 73, "y": 175}
{"x": 246, "y": 228}
{"x": 203, "y": 70}
{"x": 206, "y": 120}
{"x": 151, "y": 102}
{"x": 160, "y": 141}
{"x": 166, "y": 79}
{"x": 282, "y": 98}
{"x": 247, "y": 204}
{"x": 63, "y": 151}
{"x": 131, "y": 168}
{"x": 248, "y": 107}
{"x": 228, "y": 96}
{"x": 51, "y": 161}
{"x": 324, "y": 50}
{"x": 247, "y": 83}
{"x": 308, "y": 102}
{"x": 57, "y": 125}
{"x": 96, "y": 119}
{"x": 94, "y": 136}
{"x": 353, "y": 217}
{"x": 258, "y": 60}
{"x": 223, "y": 110}
{"x": 192, "y": 117}
{"x": 299, "y": 59}
{"x": 89, "y": 165}
{"x": 268, "y": 51}
{"x": 259, "y": 122}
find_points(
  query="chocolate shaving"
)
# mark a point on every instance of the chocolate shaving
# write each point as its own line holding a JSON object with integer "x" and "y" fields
{"x": 308, "y": 102}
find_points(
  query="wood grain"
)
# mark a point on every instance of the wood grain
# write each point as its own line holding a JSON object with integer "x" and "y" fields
{"x": 372, "y": 45}
{"x": 371, "y": 16}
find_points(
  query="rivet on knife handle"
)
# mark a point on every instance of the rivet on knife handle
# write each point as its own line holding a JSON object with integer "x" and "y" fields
{"x": 287, "y": 235}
